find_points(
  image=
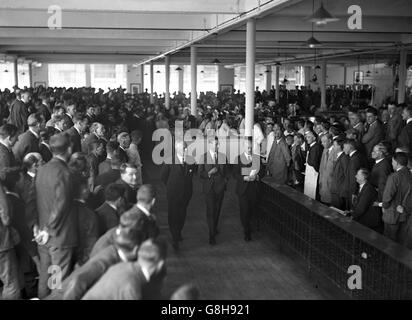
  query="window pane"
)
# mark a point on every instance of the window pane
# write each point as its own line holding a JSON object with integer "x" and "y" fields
{"x": 24, "y": 76}
{"x": 106, "y": 76}
{"x": 67, "y": 75}
{"x": 6, "y": 75}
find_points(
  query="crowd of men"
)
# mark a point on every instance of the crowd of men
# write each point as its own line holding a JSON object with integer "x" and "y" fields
{"x": 76, "y": 209}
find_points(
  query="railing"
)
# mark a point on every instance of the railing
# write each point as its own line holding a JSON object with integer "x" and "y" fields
{"x": 330, "y": 243}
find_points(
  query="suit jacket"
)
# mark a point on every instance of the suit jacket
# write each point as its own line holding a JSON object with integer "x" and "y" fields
{"x": 108, "y": 218}
{"x": 54, "y": 190}
{"x": 45, "y": 152}
{"x": 363, "y": 210}
{"x": 123, "y": 155}
{"x": 379, "y": 175}
{"x": 26, "y": 190}
{"x": 315, "y": 156}
{"x": 107, "y": 177}
{"x": 398, "y": 191}
{"x": 325, "y": 175}
{"x": 93, "y": 161}
{"x": 129, "y": 193}
{"x": 123, "y": 281}
{"x": 18, "y": 115}
{"x": 105, "y": 166}
{"x": 405, "y": 137}
{"x": 355, "y": 162}
{"x": 69, "y": 120}
{"x": 106, "y": 240}
{"x": 7, "y": 241}
{"x": 88, "y": 230}
{"x": 216, "y": 182}
{"x": 91, "y": 138}
{"x": 26, "y": 143}
{"x": 393, "y": 129}
{"x": 75, "y": 138}
{"x": 373, "y": 136}
{"x": 243, "y": 187}
{"x": 178, "y": 180}
{"x": 44, "y": 111}
{"x": 279, "y": 161}
{"x": 339, "y": 172}
{"x": 7, "y": 160}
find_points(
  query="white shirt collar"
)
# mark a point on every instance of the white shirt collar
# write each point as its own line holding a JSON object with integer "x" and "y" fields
{"x": 48, "y": 147}
{"x": 377, "y": 161}
{"x": 248, "y": 156}
{"x": 399, "y": 169}
{"x": 179, "y": 157}
{"x": 5, "y": 145}
{"x": 34, "y": 133}
{"x": 145, "y": 273}
{"x": 361, "y": 186}
{"x": 80, "y": 200}
{"x": 352, "y": 153}
{"x": 111, "y": 205}
{"x": 312, "y": 144}
{"x": 278, "y": 140}
{"x": 31, "y": 174}
{"x": 339, "y": 154}
{"x": 409, "y": 120}
{"x": 330, "y": 149}
{"x": 212, "y": 154}
{"x": 77, "y": 130}
{"x": 143, "y": 209}
{"x": 122, "y": 255}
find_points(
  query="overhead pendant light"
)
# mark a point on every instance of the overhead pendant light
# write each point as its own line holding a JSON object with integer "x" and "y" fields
{"x": 146, "y": 74}
{"x": 267, "y": 71}
{"x": 314, "y": 78}
{"x": 317, "y": 67}
{"x": 321, "y": 16}
{"x": 202, "y": 71}
{"x": 312, "y": 42}
{"x": 178, "y": 69}
{"x": 216, "y": 61}
{"x": 6, "y": 70}
{"x": 158, "y": 71}
{"x": 278, "y": 64}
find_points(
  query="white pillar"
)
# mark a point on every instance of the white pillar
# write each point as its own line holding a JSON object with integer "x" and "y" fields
{"x": 167, "y": 76}
{"x": 88, "y": 75}
{"x": 402, "y": 75}
{"x": 306, "y": 75}
{"x": 323, "y": 105}
{"x": 181, "y": 79}
{"x": 151, "y": 82}
{"x": 345, "y": 71}
{"x": 193, "y": 70}
{"x": 268, "y": 78}
{"x": 250, "y": 76}
{"x": 16, "y": 73}
{"x": 277, "y": 87}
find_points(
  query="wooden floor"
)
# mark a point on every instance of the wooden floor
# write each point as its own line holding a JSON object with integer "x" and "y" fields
{"x": 233, "y": 269}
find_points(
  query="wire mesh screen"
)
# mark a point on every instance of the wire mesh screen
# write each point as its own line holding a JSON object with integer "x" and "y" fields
{"x": 330, "y": 244}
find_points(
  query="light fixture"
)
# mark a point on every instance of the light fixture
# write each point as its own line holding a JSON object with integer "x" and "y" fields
{"x": 216, "y": 61}
{"x": 178, "y": 69}
{"x": 314, "y": 78}
{"x": 312, "y": 42}
{"x": 321, "y": 16}
{"x": 278, "y": 64}
{"x": 267, "y": 71}
{"x": 6, "y": 70}
{"x": 158, "y": 71}
{"x": 146, "y": 74}
{"x": 317, "y": 67}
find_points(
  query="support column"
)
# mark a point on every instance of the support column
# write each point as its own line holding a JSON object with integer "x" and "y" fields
{"x": 345, "y": 71}
{"x": 31, "y": 74}
{"x": 250, "y": 76}
{"x": 181, "y": 79}
{"x": 193, "y": 70}
{"x": 323, "y": 105}
{"x": 277, "y": 86}
{"x": 88, "y": 75}
{"x": 167, "y": 76}
{"x": 402, "y": 75}
{"x": 16, "y": 73}
{"x": 306, "y": 75}
{"x": 268, "y": 78}
{"x": 151, "y": 82}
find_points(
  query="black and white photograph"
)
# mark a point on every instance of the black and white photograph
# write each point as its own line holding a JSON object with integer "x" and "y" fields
{"x": 219, "y": 151}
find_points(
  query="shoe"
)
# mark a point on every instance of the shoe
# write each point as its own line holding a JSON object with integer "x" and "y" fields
{"x": 212, "y": 241}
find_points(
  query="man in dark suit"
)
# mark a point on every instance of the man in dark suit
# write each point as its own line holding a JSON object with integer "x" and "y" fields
{"x": 394, "y": 126}
{"x": 381, "y": 169}
{"x": 279, "y": 157}
{"x": 97, "y": 132}
{"x": 213, "y": 171}
{"x": 44, "y": 147}
{"x": 177, "y": 175}
{"x": 405, "y": 137}
{"x": 109, "y": 212}
{"x": 339, "y": 171}
{"x": 129, "y": 182}
{"x": 111, "y": 148}
{"x": 8, "y": 138}
{"x": 397, "y": 201}
{"x": 247, "y": 175}
{"x": 374, "y": 133}
{"x": 70, "y": 112}
{"x": 110, "y": 175}
{"x": 356, "y": 161}
{"x": 363, "y": 210}
{"x": 19, "y": 111}
{"x": 124, "y": 142}
{"x": 131, "y": 280}
{"x": 56, "y": 229}
{"x": 76, "y": 131}
{"x": 29, "y": 140}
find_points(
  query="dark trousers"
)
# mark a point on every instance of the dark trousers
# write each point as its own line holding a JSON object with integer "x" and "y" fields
{"x": 213, "y": 205}
{"x": 28, "y": 272}
{"x": 397, "y": 232}
{"x": 338, "y": 202}
{"x": 247, "y": 206}
{"x": 9, "y": 275}
{"x": 56, "y": 264}
{"x": 177, "y": 210}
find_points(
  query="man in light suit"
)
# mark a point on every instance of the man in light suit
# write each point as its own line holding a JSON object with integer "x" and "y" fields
{"x": 375, "y": 132}
{"x": 56, "y": 227}
{"x": 29, "y": 140}
{"x": 326, "y": 169}
{"x": 213, "y": 171}
{"x": 279, "y": 157}
{"x": 394, "y": 126}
